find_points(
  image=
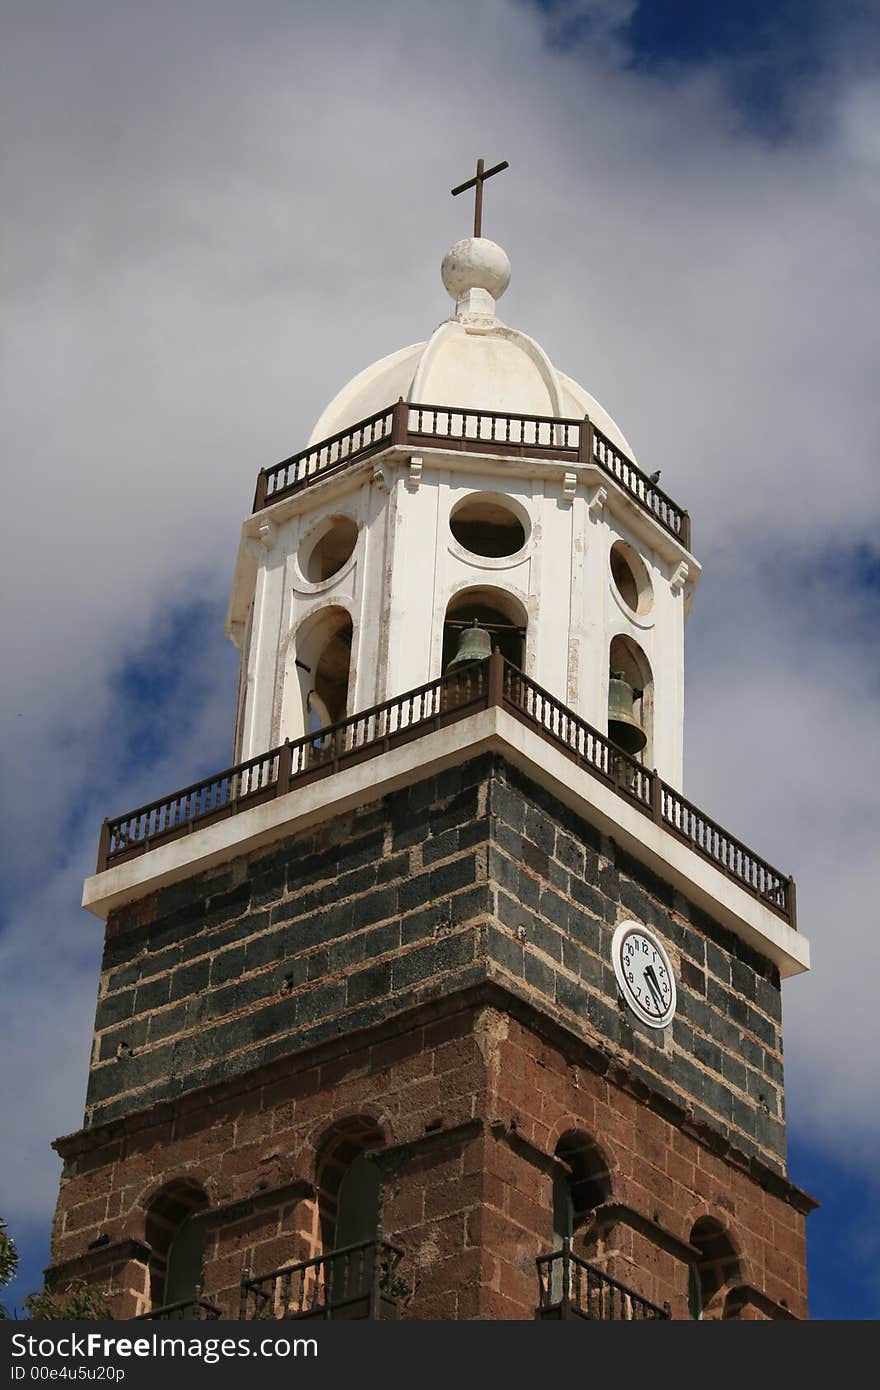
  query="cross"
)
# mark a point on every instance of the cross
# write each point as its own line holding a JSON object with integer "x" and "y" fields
{"x": 477, "y": 182}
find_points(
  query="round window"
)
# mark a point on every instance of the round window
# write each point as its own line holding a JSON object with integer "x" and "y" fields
{"x": 486, "y": 524}
{"x": 631, "y": 578}
{"x": 326, "y": 555}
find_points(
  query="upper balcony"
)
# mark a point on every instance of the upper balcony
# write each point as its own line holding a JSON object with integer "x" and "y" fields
{"x": 414, "y": 426}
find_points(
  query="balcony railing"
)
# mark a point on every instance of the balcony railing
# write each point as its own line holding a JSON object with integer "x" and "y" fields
{"x": 570, "y": 1287}
{"x": 433, "y": 706}
{"x": 188, "y": 1310}
{"x": 356, "y": 1281}
{"x": 477, "y": 431}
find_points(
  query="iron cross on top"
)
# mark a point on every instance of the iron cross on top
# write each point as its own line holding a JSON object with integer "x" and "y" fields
{"x": 477, "y": 182}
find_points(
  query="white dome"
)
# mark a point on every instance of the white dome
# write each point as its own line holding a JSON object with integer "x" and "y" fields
{"x": 472, "y": 360}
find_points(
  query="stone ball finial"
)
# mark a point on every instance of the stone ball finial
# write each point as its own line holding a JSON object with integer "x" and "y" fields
{"x": 475, "y": 263}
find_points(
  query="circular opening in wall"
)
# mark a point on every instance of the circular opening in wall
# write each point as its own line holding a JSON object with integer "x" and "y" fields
{"x": 327, "y": 553}
{"x": 631, "y": 578}
{"x": 486, "y": 524}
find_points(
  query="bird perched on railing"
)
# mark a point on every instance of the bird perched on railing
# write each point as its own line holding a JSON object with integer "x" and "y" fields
{"x": 654, "y": 477}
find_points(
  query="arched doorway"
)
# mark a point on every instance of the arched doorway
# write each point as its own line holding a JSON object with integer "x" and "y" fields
{"x": 581, "y": 1182}
{"x": 349, "y": 1183}
{"x": 176, "y": 1234}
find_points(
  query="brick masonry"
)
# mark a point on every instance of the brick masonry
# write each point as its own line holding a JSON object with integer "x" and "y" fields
{"x": 470, "y": 1096}
{"x": 476, "y": 873}
{"x": 440, "y": 963}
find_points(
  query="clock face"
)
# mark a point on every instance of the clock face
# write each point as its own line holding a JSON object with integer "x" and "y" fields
{"x": 644, "y": 973}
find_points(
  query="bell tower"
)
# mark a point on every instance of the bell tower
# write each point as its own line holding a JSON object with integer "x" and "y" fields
{"x": 353, "y": 582}
{"x": 444, "y": 1001}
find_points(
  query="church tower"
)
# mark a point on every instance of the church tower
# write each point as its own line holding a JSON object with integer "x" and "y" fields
{"x": 444, "y": 1001}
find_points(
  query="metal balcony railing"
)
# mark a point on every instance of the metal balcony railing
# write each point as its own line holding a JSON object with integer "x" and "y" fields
{"x": 188, "y": 1310}
{"x": 570, "y": 1287}
{"x": 356, "y": 1281}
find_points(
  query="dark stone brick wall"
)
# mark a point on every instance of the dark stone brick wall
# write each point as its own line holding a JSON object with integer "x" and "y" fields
{"x": 473, "y": 873}
{"x": 207, "y": 979}
{"x": 560, "y": 890}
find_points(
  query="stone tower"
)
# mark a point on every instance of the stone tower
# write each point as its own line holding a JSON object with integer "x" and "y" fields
{"x": 443, "y": 1001}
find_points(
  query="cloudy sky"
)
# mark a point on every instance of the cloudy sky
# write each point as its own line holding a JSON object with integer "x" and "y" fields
{"x": 216, "y": 212}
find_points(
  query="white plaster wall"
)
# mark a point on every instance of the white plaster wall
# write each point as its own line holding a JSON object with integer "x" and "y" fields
{"x": 415, "y": 570}
{"x": 406, "y": 567}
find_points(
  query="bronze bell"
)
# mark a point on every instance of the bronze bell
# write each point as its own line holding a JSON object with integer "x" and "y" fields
{"x": 624, "y": 730}
{"x": 474, "y": 644}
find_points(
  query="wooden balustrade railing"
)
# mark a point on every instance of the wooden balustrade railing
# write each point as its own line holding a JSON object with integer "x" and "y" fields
{"x": 432, "y": 706}
{"x": 356, "y": 1281}
{"x": 631, "y": 478}
{"x": 315, "y": 755}
{"x": 481, "y": 431}
{"x": 571, "y": 1287}
{"x": 644, "y": 788}
{"x": 326, "y": 457}
{"x": 491, "y": 431}
{"x": 592, "y": 750}
{"x": 721, "y": 849}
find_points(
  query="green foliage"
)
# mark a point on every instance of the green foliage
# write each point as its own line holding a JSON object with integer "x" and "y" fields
{"x": 8, "y": 1260}
{"x": 77, "y": 1303}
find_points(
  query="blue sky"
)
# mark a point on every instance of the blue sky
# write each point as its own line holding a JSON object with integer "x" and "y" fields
{"x": 210, "y": 231}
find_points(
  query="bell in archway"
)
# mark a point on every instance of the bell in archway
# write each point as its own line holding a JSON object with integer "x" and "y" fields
{"x": 624, "y": 730}
{"x": 474, "y": 644}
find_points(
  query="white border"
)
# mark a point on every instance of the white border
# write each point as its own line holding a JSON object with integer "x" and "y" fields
{"x": 620, "y": 931}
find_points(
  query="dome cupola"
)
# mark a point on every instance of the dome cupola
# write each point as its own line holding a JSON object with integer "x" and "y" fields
{"x": 471, "y": 360}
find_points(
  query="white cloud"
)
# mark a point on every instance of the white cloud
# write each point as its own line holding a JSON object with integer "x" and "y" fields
{"x": 215, "y": 214}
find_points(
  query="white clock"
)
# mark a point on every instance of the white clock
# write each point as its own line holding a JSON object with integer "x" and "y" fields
{"x": 644, "y": 973}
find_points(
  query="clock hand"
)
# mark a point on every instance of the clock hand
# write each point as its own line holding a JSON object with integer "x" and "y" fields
{"x": 655, "y": 988}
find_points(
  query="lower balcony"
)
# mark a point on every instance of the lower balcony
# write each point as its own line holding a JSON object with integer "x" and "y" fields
{"x": 570, "y": 1287}
{"x": 356, "y": 1281}
{"x": 188, "y": 1310}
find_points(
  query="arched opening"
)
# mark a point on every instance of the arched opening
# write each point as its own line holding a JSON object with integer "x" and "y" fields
{"x": 349, "y": 1183}
{"x": 631, "y": 578}
{"x": 326, "y": 550}
{"x": 627, "y": 661}
{"x": 581, "y": 1182}
{"x": 321, "y": 658}
{"x": 716, "y": 1267}
{"x": 357, "y": 1202}
{"x": 331, "y": 672}
{"x": 176, "y": 1235}
{"x": 498, "y": 612}
{"x": 486, "y": 523}
{"x": 349, "y": 1210}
